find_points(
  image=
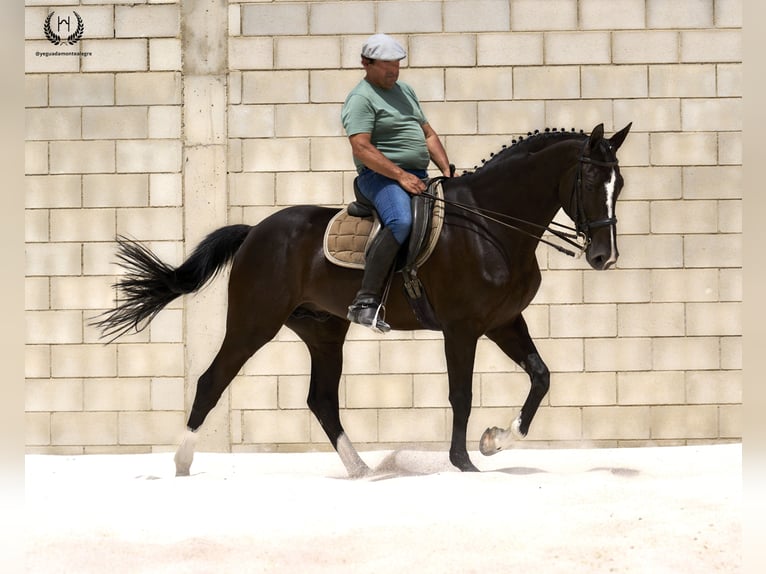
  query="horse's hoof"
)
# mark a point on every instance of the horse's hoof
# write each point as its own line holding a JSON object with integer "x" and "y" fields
{"x": 488, "y": 443}
{"x": 463, "y": 463}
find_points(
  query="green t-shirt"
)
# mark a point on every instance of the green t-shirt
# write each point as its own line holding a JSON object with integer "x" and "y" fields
{"x": 394, "y": 119}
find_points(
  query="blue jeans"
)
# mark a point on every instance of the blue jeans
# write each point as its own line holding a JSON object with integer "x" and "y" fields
{"x": 392, "y": 203}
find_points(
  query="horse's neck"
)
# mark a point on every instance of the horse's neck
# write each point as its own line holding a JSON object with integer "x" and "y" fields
{"x": 527, "y": 188}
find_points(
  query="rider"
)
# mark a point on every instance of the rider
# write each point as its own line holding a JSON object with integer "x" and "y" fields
{"x": 392, "y": 144}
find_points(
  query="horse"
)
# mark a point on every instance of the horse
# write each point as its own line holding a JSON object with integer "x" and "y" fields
{"x": 480, "y": 277}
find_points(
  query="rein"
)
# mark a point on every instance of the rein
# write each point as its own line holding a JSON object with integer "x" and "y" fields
{"x": 582, "y": 225}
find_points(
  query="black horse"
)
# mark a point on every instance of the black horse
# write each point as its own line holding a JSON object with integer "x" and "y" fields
{"x": 481, "y": 276}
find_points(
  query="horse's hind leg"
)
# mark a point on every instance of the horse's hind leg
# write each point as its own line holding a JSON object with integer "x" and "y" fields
{"x": 324, "y": 337}
{"x": 515, "y": 341}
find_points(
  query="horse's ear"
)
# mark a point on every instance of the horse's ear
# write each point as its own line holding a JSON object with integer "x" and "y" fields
{"x": 596, "y": 136}
{"x": 616, "y": 140}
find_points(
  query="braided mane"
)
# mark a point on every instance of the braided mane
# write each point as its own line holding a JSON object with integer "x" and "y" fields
{"x": 533, "y": 142}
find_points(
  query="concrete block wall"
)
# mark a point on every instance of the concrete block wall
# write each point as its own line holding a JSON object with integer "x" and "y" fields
{"x": 186, "y": 116}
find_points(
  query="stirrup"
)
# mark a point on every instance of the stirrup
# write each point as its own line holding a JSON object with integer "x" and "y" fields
{"x": 368, "y": 314}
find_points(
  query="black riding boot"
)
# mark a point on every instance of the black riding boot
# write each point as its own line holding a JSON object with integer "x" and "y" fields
{"x": 380, "y": 258}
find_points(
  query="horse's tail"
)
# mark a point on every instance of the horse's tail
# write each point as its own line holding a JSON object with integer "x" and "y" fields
{"x": 149, "y": 284}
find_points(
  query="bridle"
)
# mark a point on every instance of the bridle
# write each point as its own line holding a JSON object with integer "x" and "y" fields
{"x": 578, "y": 236}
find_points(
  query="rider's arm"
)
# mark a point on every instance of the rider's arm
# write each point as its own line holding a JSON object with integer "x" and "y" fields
{"x": 372, "y": 158}
{"x": 436, "y": 149}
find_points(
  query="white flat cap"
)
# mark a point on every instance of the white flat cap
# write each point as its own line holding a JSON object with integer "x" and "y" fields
{"x": 383, "y": 47}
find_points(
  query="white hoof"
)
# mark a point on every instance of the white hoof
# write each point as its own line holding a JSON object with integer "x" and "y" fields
{"x": 492, "y": 441}
{"x": 185, "y": 454}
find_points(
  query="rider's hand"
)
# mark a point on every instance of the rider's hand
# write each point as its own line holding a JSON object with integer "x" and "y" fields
{"x": 411, "y": 183}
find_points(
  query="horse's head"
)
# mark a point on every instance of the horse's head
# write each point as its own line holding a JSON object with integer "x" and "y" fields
{"x": 597, "y": 185}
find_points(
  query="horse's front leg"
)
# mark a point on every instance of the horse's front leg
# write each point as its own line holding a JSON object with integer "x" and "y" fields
{"x": 515, "y": 342}
{"x": 460, "y": 350}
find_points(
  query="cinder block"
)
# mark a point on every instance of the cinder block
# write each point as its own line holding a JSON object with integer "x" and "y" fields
{"x": 479, "y": 84}
{"x": 36, "y": 293}
{"x": 560, "y": 287}
{"x": 379, "y": 391}
{"x": 38, "y": 59}
{"x": 158, "y": 223}
{"x": 583, "y": 389}
{"x": 730, "y": 421}
{"x": 150, "y": 88}
{"x": 412, "y": 357}
{"x": 652, "y": 115}
{"x": 712, "y": 182}
{"x": 251, "y": 53}
{"x": 35, "y": 90}
{"x": 684, "y": 216}
{"x": 342, "y": 18}
{"x": 712, "y": 115}
{"x": 167, "y": 327}
{"x": 576, "y": 114}
{"x": 77, "y": 429}
{"x": 652, "y": 388}
{"x": 617, "y": 286}
{"x": 731, "y": 353}
{"x": 150, "y": 21}
{"x": 562, "y": 355}
{"x": 661, "y": 251}
{"x": 684, "y": 422}
{"x": 167, "y": 394}
{"x": 630, "y": 81}
{"x": 656, "y": 182}
{"x": 621, "y": 354}
{"x": 82, "y": 225}
{"x": 115, "y": 55}
{"x": 544, "y": 15}
{"x": 556, "y": 423}
{"x": 287, "y": 154}
{"x": 82, "y": 89}
{"x": 308, "y": 120}
{"x": 251, "y": 121}
{"x": 35, "y": 157}
{"x": 53, "y": 259}
{"x": 452, "y": 117}
{"x": 730, "y": 284}
{"x": 684, "y": 285}
{"x": 577, "y": 48}
{"x": 361, "y": 426}
{"x": 141, "y": 156}
{"x": 427, "y": 82}
{"x": 503, "y": 390}
{"x": 547, "y": 83}
{"x": 442, "y": 50}
{"x": 119, "y": 122}
{"x": 711, "y": 46}
{"x": 718, "y": 250}
{"x": 412, "y": 425}
{"x": 682, "y": 81}
{"x": 616, "y": 423}
{"x": 515, "y": 49}
{"x": 251, "y": 189}
{"x": 679, "y": 14}
{"x": 320, "y": 52}
{"x": 409, "y": 17}
{"x": 689, "y": 353}
{"x": 82, "y": 157}
{"x": 293, "y": 392}
{"x": 583, "y": 320}
{"x": 612, "y": 14}
{"x": 432, "y": 390}
{"x": 37, "y": 361}
{"x": 309, "y": 188}
{"x": 730, "y": 216}
{"x": 165, "y": 54}
{"x": 280, "y": 358}
{"x": 645, "y": 47}
{"x": 713, "y": 319}
{"x": 155, "y": 360}
{"x": 331, "y": 86}
{"x": 730, "y": 148}
{"x": 274, "y": 19}
{"x": 53, "y": 395}
{"x": 115, "y": 190}
{"x": 276, "y": 426}
{"x": 713, "y": 387}
{"x": 36, "y": 225}
{"x": 150, "y": 427}
{"x": 165, "y": 189}
{"x": 278, "y": 87}
{"x": 509, "y": 117}
{"x": 116, "y": 394}
{"x": 729, "y": 80}
{"x": 634, "y": 217}
{"x": 477, "y": 16}
{"x": 52, "y": 124}
{"x": 37, "y": 429}
{"x": 204, "y": 110}
{"x": 165, "y": 122}
{"x": 81, "y": 293}
{"x": 683, "y": 149}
